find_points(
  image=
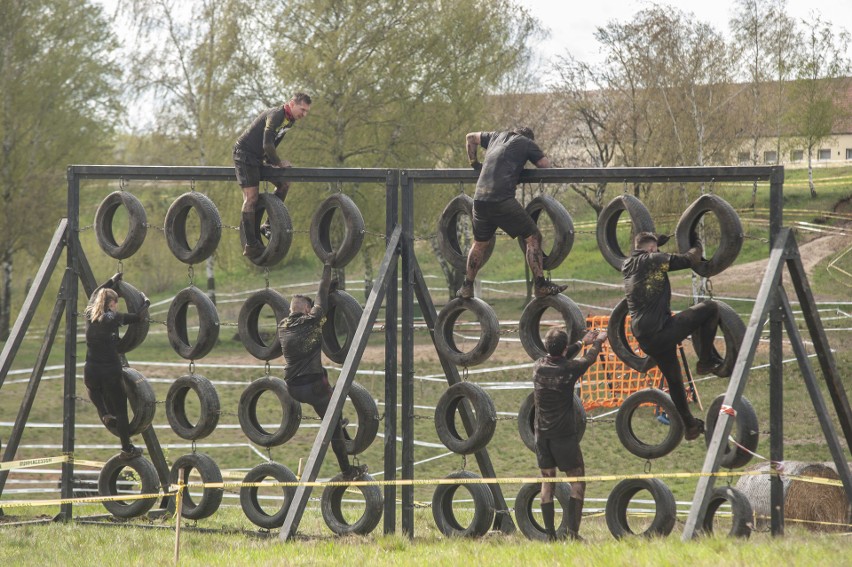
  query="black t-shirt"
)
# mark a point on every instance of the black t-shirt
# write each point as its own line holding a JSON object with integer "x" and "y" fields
{"x": 554, "y": 379}
{"x": 265, "y": 133}
{"x": 102, "y": 337}
{"x": 648, "y": 291}
{"x": 506, "y": 153}
{"x": 301, "y": 341}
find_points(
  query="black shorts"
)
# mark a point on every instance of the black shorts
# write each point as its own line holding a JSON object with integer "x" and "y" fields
{"x": 559, "y": 452}
{"x": 247, "y": 167}
{"x": 508, "y": 214}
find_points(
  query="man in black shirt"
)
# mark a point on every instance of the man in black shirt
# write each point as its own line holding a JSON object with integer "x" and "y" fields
{"x": 255, "y": 147}
{"x": 557, "y": 442}
{"x": 658, "y": 332}
{"x": 495, "y": 206}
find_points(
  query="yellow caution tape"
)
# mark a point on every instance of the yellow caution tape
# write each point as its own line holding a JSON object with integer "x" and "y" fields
{"x": 27, "y": 463}
{"x": 84, "y": 500}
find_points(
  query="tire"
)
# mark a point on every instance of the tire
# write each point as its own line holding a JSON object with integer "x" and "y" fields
{"x": 530, "y": 323}
{"x": 731, "y": 233}
{"x": 248, "y": 495}
{"x": 741, "y": 511}
{"x": 108, "y": 486}
{"x": 619, "y": 343}
{"x": 331, "y": 502}
{"x": 733, "y": 330}
{"x": 248, "y": 320}
{"x": 343, "y": 306}
{"x": 619, "y": 499}
{"x": 175, "y": 227}
{"x": 607, "y": 227}
{"x": 279, "y": 243}
{"x": 211, "y": 498}
{"x": 526, "y": 420}
{"x": 483, "y": 503}
{"x": 141, "y": 399}
{"x": 489, "y": 334}
{"x": 748, "y": 432}
{"x": 563, "y": 238}
{"x": 321, "y": 224}
{"x": 208, "y": 324}
{"x": 137, "y": 225}
{"x": 176, "y": 407}
{"x": 525, "y": 519}
{"x": 136, "y": 332}
{"x": 624, "y": 425}
{"x": 368, "y": 419}
{"x": 484, "y": 424}
{"x": 291, "y": 415}
{"x": 447, "y": 235}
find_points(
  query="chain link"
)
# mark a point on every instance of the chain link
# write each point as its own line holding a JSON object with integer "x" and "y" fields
{"x": 155, "y": 227}
{"x": 85, "y": 228}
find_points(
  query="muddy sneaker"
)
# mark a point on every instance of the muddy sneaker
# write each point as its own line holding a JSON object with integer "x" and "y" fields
{"x": 266, "y": 230}
{"x": 132, "y": 453}
{"x": 466, "y": 290}
{"x": 710, "y": 367}
{"x": 549, "y": 288}
{"x": 253, "y": 250}
{"x": 694, "y": 430}
{"x": 355, "y": 472}
{"x": 109, "y": 420}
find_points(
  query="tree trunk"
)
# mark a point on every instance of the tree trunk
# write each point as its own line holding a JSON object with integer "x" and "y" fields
{"x": 811, "y": 174}
{"x": 6, "y": 300}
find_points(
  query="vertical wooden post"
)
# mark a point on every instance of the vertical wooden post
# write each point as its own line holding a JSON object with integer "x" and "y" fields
{"x": 178, "y": 511}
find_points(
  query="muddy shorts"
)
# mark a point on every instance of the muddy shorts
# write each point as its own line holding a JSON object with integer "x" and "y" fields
{"x": 508, "y": 215}
{"x": 558, "y": 452}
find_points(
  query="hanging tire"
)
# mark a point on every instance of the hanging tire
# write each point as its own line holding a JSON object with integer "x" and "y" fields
{"x": 628, "y": 437}
{"x": 321, "y": 224}
{"x": 210, "y": 230}
{"x": 140, "y": 398}
{"x": 748, "y": 432}
{"x": 209, "y": 409}
{"x": 448, "y": 233}
{"x": 733, "y": 331}
{"x": 483, "y": 504}
{"x": 209, "y": 471}
{"x": 730, "y": 228}
{"x": 249, "y": 500}
{"x": 291, "y": 415}
{"x": 208, "y": 324}
{"x": 619, "y": 500}
{"x": 137, "y": 227}
{"x": 741, "y": 511}
{"x": 136, "y": 332}
{"x": 281, "y": 225}
{"x": 368, "y": 419}
{"x": 249, "y": 318}
{"x": 526, "y": 420}
{"x": 563, "y": 225}
{"x": 108, "y": 481}
{"x": 530, "y": 323}
{"x": 484, "y": 424}
{"x": 607, "y": 227}
{"x": 342, "y": 307}
{"x": 332, "y": 513}
{"x": 619, "y": 343}
{"x": 525, "y": 518}
{"x": 489, "y": 334}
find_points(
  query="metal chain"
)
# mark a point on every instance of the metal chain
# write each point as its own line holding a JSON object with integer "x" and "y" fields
{"x": 266, "y": 279}
{"x": 191, "y": 273}
{"x": 122, "y": 184}
{"x": 155, "y": 227}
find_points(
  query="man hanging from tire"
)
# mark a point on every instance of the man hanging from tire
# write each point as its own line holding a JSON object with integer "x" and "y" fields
{"x": 557, "y": 441}
{"x": 495, "y": 206}
{"x": 649, "y": 293}
{"x": 255, "y": 147}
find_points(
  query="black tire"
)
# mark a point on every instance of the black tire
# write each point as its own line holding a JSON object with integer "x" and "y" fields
{"x": 281, "y": 225}
{"x": 624, "y": 424}
{"x": 341, "y": 307}
{"x": 484, "y": 425}
{"x": 368, "y": 419}
{"x": 209, "y": 471}
{"x": 489, "y": 334}
{"x": 526, "y": 420}
{"x": 620, "y": 345}
{"x": 619, "y": 500}
{"x": 291, "y": 415}
{"x": 321, "y": 224}
{"x": 137, "y": 225}
{"x": 136, "y": 332}
{"x": 731, "y": 233}
{"x": 331, "y": 504}
{"x": 175, "y": 227}
{"x": 108, "y": 486}
{"x": 448, "y": 236}
{"x": 563, "y": 237}
{"x": 248, "y": 323}
{"x": 733, "y": 331}
{"x": 748, "y": 432}
{"x": 525, "y": 519}
{"x": 208, "y": 399}
{"x": 140, "y": 399}
{"x": 607, "y": 233}
{"x": 208, "y": 324}
{"x": 248, "y": 495}
{"x": 483, "y": 503}
{"x": 530, "y": 323}
{"x": 741, "y": 511}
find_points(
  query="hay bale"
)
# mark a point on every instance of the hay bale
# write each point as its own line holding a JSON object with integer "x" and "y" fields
{"x": 756, "y": 488}
{"x": 813, "y": 503}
